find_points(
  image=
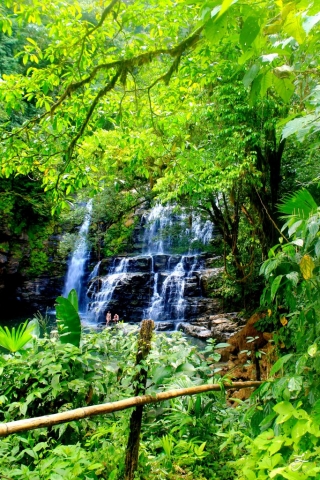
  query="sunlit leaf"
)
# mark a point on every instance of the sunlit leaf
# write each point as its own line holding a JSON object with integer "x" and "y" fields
{"x": 249, "y": 31}
{"x": 251, "y": 75}
{"x": 280, "y": 363}
{"x": 307, "y": 266}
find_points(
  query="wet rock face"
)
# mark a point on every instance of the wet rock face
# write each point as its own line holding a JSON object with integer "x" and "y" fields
{"x": 19, "y": 296}
{"x": 139, "y": 264}
{"x": 25, "y": 285}
{"x": 132, "y": 286}
{"x": 131, "y": 293}
{"x": 160, "y": 262}
{"x": 40, "y": 292}
{"x": 196, "y": 331}
{"x": 153, "y": 281}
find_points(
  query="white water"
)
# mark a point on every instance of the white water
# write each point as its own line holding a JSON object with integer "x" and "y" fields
{"x": 76, "y": 267}
{"x": 168, "y": 302}
{"x": 109, "y": 284}
{"x": 95, "y": 271}
{"x": 169, "y": 274}
{"x": 201, "y": 231}
{"x": 159, "y": 219}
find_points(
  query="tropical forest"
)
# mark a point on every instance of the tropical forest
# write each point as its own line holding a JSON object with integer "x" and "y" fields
{"x": 159, "y": 239}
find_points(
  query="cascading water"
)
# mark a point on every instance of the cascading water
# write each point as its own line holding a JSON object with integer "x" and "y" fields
{"x": 95, "y": 271}
{"x": 157, "y": 284}
{"x": 201, "y": 231}
{"x": 77, "y": 263}
{"x": 108, "y": 286}
{"x": 168, "y": 301}
{"x": 158, "y": 221}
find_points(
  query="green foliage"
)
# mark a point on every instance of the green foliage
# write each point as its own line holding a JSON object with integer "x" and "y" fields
{"x": 144, "y": 125}
{"x": 299, "y": 205}
{"x": 289, "y": 450}
{"x": 26, "y": 225}
{"x": 68, "y": 319}
{"x": 292, "y": 271}
{"x": 67, "y": 245}
{"x": 113, "y": 221}
{"x": 177, "y": 434}
{"x": 131, "y": 116}
{"x": 15, "y": 339}
{"x": 101, "y": 101}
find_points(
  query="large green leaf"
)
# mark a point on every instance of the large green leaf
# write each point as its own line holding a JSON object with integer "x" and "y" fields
{"x": 68, "y": 321}
{"x": 275, "y": 286}
{"x": 226, "y": 4}
{"x": 161, "y": 373}
{"x": 251, "y": 75}
{"x": 293, "y": 27}
{"x": 215, "y": 30}
{"x": 300, "y": 126}
{"x": 284, "y": 88}
{"x": 249, "y": 31}
{"x": 266, "y": 82}
{"x": 279, "y": 364}
{"x": 73, "y": 299}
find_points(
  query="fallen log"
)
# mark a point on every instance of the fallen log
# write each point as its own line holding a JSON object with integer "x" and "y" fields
{"x": 84, "y": 412}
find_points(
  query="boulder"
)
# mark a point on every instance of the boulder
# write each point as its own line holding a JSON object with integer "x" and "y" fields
{"x": 195, "y": 331}
{"x": 3, "y": 258}
{"x": 164, "y": 326}
{"x": 222, "y": 328}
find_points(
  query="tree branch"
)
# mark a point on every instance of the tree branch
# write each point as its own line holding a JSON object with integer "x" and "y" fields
{"x": 138, "y": 61}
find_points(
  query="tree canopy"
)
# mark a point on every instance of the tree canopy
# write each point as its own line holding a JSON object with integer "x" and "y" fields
{"x": 213, "y": 105}
{"x": 198, "y": 98}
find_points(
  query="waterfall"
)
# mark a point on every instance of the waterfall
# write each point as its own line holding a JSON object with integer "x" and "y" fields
{"x": 108, "y": 286}
{"x": 77, "y": 263}
{"x": 168, "y": 301}
{"x": 95, "y": 271}
{"x": 171, "y": 298}
{"x": 158, "y": 220}
{"x": 158, "y": 283}
{"x": 201, "y": 232}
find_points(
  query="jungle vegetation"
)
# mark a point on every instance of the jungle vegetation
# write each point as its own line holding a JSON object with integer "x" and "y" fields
{"x": 213, "y": 105}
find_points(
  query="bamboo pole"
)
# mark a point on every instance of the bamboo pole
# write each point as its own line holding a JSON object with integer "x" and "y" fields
{"x": 84, "y": 412}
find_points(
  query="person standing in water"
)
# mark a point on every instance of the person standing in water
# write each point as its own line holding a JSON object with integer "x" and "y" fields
{"x": 116, "y": 318}
{"x": 108, "y": 318}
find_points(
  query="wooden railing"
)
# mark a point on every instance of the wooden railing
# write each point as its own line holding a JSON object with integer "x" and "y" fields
{"x": 104, "y": 408}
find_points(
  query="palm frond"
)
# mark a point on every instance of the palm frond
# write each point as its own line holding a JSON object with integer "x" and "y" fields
{"x": 15, "y": 339}
{"x": 300, "y": 205}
